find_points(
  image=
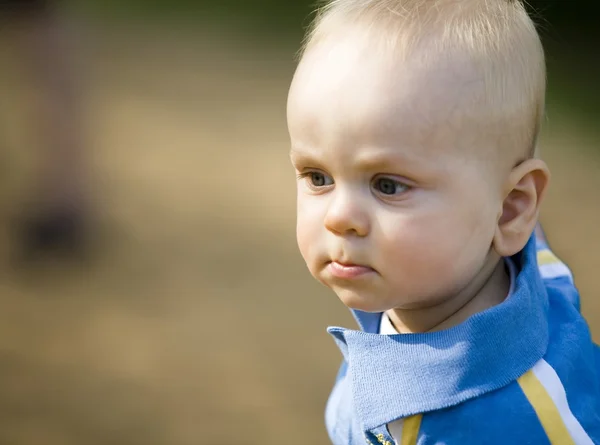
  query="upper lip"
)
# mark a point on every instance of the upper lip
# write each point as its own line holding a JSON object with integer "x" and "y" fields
{"x": 348, "y": 263}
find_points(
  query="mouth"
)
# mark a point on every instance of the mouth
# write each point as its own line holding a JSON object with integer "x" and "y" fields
{"x": 348, "y": 271}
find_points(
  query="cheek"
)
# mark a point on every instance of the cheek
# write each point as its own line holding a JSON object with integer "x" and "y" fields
{"x": 436, "y": 250}
{"x": 308, "y": 226}
{"x": 410, "y": 245}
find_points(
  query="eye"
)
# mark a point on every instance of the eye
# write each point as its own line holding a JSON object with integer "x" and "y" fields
{"x": 316, "y": 179}
{"x": 389, "y": 186}
{"x": 320, "y": 179}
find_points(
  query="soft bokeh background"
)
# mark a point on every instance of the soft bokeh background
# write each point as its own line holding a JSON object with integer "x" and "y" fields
{"x": 194, "y": 321}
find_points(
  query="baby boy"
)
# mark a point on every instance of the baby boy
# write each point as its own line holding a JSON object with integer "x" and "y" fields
{"x": 414, "y": 127}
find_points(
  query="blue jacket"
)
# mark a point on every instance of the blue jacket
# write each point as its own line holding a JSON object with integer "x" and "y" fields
{"x": 523, "y": 372}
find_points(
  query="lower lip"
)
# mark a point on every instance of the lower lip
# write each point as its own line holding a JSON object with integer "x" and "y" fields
{"x": 347, "y": 272}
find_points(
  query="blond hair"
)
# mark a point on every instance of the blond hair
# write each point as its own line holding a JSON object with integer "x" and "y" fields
{"x": 498, "y": 35}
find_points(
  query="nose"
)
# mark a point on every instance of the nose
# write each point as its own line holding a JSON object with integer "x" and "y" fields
{"x": 347, "y": 214}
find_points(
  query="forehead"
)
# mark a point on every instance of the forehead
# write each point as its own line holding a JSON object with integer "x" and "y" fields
{"x": 348, "y": 87}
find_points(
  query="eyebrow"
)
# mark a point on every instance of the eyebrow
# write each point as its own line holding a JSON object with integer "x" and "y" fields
{"x": 304, "y": 154}
{"x": 381, "y": 158}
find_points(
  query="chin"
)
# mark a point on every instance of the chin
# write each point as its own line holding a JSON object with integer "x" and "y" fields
{"x": 361, "y": 302}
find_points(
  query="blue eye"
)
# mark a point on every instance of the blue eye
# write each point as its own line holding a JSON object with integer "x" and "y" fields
{"x": 388, "y": 186}
{"x": 317, "y": 179}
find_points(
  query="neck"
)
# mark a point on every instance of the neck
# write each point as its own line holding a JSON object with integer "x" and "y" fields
{"x": 489, "y": 288}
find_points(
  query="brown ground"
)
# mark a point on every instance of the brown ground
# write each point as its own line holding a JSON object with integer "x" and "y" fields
{"x": 195, "y": 322}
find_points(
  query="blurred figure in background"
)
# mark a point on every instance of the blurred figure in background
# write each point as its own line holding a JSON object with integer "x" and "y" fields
{"x": 55, "y": 217}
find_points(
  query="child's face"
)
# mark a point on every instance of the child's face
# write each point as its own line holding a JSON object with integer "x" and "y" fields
{"x": 397, "y": 206}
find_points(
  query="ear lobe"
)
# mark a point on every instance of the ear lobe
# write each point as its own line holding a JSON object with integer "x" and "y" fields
{"x": 525, "y": 190}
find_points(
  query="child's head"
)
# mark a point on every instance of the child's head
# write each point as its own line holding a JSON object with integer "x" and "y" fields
{"x": 413, "y": 126}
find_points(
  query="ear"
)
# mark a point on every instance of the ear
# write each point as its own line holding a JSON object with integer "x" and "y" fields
{"x": 525, "y": 189}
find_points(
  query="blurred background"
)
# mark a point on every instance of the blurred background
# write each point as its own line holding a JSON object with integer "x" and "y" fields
{"x": 150, "y": 287}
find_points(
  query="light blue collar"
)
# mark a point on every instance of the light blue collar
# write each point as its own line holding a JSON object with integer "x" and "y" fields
{"x": 394, "y": 376}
